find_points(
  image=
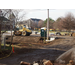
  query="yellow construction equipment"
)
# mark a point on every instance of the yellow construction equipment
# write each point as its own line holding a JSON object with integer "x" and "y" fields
{"x": 22, "y": 30}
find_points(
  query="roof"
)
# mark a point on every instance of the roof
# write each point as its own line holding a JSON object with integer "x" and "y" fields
{"x": 3, "y": 18}
{"x": 34, "y": 19}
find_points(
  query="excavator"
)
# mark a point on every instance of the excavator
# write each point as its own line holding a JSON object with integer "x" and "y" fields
{"x": 22, "y": 30}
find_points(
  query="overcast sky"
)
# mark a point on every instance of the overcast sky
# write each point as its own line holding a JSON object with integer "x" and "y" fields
{"x": 42, "y": 13}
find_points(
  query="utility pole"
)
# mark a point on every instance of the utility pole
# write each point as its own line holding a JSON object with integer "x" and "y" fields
{"x": 48, "y": 25}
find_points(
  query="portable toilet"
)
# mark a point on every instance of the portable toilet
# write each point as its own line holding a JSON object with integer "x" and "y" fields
{"x": 43, "y": 32}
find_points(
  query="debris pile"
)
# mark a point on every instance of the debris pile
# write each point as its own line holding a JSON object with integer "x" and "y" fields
{"x": 24, "y": 63}
{"x": 71, "y": 62}
{"x": 47, "y": 62}
{"x": 40, "y": 62}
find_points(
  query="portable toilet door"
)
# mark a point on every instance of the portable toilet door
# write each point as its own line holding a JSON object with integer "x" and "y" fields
{"x": 43, "y": 32}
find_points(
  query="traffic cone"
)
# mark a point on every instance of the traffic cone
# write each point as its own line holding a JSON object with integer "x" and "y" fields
{"x": 13, "y": 49}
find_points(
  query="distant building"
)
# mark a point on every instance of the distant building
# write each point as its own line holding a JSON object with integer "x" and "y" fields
{"x": 33, "y": 22}
{"x": 30, "y": 23}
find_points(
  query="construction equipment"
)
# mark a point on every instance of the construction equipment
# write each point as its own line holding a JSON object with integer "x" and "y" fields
{"x": 22, "y": 30}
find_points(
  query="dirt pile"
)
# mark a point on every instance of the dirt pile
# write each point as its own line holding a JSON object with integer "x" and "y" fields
{"x": 66, "y": 57}
{"x": 20, "y": 39}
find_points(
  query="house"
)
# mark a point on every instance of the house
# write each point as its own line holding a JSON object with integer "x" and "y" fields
{"x": 5, "y": 23}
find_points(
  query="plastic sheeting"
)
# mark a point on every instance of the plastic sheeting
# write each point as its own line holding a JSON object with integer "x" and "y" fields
{"x": 65, "y": 57}
{"x": 51, "y": 39}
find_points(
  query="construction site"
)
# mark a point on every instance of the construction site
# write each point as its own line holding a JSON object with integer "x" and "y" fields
{"x": 23, "y": 46}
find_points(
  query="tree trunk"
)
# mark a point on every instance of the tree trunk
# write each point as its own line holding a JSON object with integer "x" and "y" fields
{"x": 11, "y": 28}
{"x": 0, "y": 36}
{"x": 11, "y": 36}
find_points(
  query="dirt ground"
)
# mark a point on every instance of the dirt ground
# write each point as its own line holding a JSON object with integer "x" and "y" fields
{"x": 30, "y": 49}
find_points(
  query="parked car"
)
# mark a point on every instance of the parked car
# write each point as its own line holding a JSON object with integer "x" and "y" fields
{"x": 58, "y": 33}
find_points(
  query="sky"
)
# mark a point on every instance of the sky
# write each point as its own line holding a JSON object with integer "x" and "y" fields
{"x": 42, "y": 13}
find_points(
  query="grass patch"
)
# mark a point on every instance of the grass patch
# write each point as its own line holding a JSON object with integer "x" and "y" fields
{"x": 7, "y": 47}
{"x": 62, "y": 32}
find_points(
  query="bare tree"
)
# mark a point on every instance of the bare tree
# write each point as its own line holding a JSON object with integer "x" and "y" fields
{"x": 18, "y": 17}
{"x": 6, "y": 13}
{"x": 11, "y": 27}
{"x": 68, "y": 21}
{"x": 58, "y": 23}
{"x": 40, "y": 23}
{"x": 19, "y": 14}
{"x": 33, "y": 25}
